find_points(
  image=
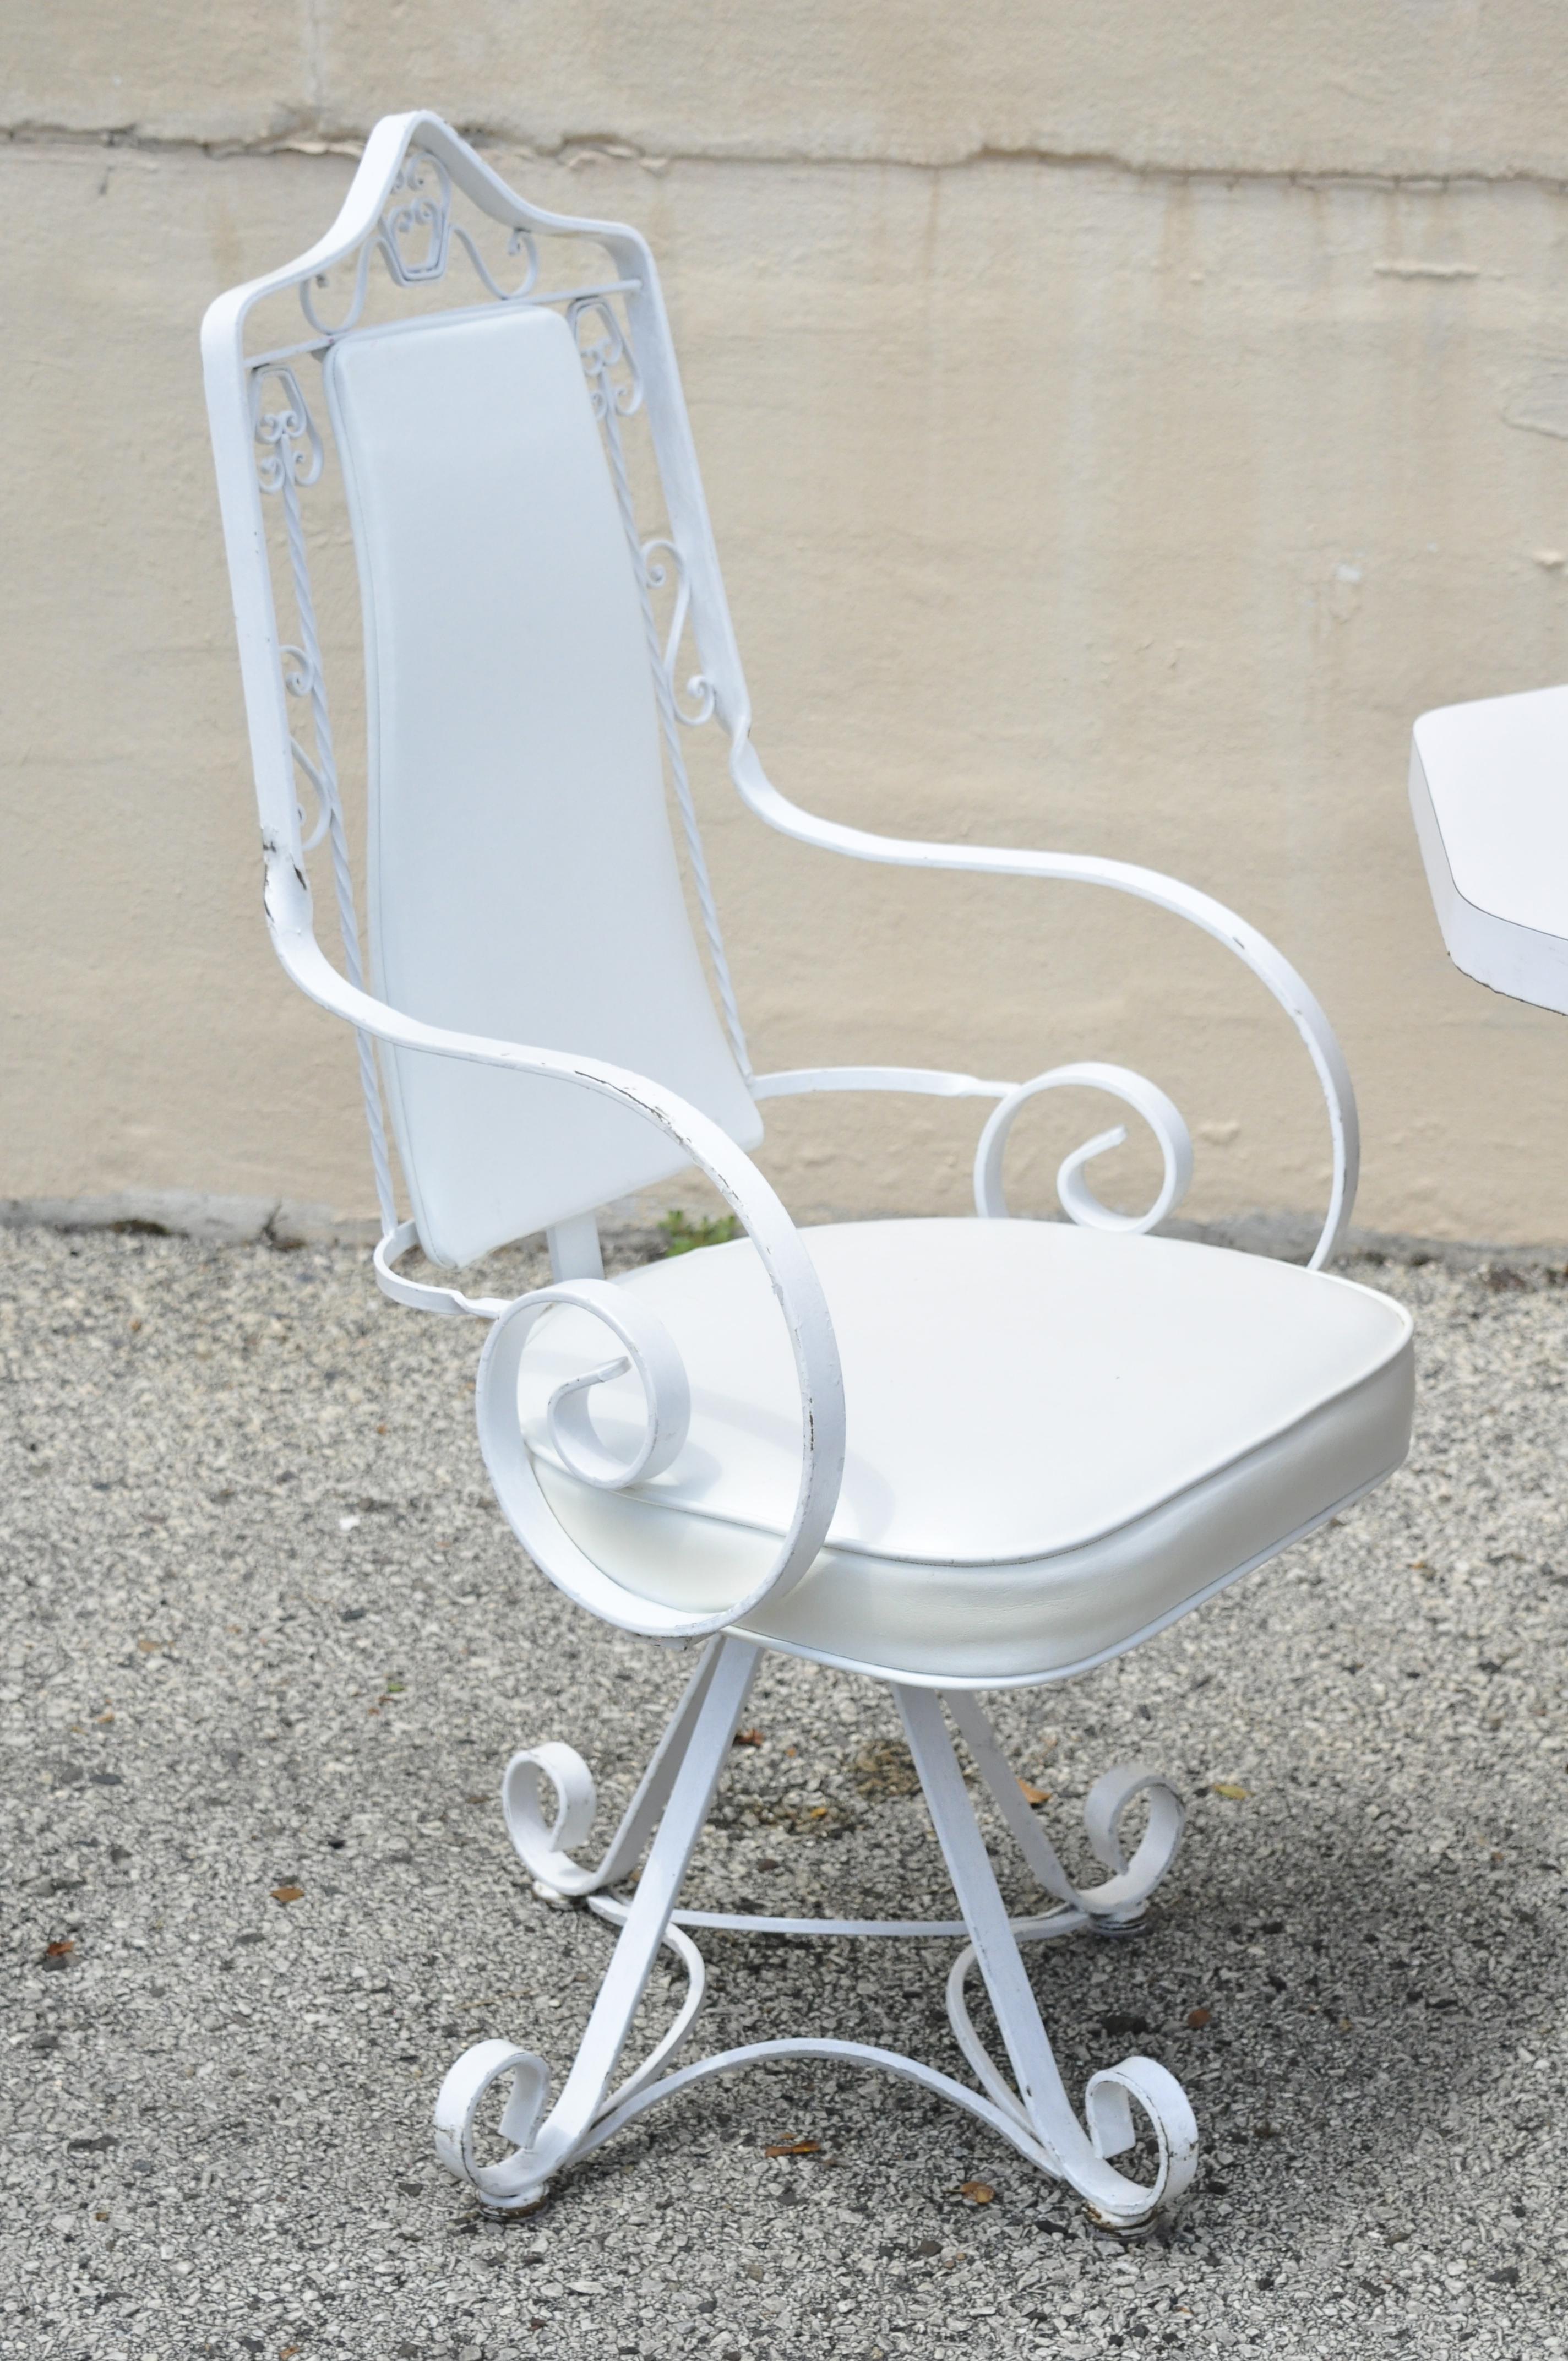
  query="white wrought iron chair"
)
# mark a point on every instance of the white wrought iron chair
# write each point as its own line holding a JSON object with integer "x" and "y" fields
{"x": 951, "y": 1454}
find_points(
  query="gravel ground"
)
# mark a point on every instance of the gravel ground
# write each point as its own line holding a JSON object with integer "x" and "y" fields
{"x": 267, "y": 1631}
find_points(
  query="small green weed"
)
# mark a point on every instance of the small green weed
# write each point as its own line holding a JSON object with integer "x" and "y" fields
{"x": 682, "y": 1233}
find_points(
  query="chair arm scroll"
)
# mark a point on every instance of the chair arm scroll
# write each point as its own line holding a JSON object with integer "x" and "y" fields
{"x": 650, "y": 1350}
{"x": 1253, "y": 949}
{"x": 791, "y": 1273}
{"x": 1079, "y": 1201}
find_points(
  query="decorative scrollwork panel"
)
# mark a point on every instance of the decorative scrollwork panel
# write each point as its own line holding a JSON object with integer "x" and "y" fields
{"x": 419, "y": 208}
{"x": 290, "y": 446}
{"x": 665, "y": 569}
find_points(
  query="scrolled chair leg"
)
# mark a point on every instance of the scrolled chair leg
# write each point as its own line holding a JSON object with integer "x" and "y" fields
{"x": 1117, "y": 1903}
{"x": 545, "y": 1851}
{"x": 548, "y": 1798}
{"x": 1037, "y": 2099}
{"x": 1109, "y": 2098}
{"x": 681, "y": 1778}
{"x": 514, "y": 2180}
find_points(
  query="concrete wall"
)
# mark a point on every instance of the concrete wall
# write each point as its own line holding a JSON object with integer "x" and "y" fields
{"x": 1119, "y": 424}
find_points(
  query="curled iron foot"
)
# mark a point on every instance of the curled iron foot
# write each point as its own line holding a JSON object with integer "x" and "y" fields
{"x": 514, "y": 2181}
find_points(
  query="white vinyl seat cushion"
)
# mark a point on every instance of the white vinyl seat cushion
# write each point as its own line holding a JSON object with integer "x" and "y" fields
{"x": 1058, "y": 1439}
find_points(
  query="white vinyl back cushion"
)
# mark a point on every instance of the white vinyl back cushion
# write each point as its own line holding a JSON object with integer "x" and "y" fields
{"x": 522, "y": 878}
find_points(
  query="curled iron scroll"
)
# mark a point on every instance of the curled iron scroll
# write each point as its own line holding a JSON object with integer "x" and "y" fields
{"x": 649, "y": 1350}
{"x": 663, "y": 564}
{"x": 320, "y": 826}
{"x": 615, "y": 381}
{"x": 290, "y": 446}
{"x": 1079, "y": 1201}
{"x": 414, "y": 238}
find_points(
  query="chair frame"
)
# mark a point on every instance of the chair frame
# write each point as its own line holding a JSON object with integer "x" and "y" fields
{"x": 400, "y": 208}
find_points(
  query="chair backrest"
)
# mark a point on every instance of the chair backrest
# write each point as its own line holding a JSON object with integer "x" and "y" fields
{"x": 522, "y": 877}
{"x": 524, "y": 882}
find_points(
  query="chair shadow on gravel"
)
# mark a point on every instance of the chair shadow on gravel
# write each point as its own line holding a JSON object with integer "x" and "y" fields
{"x": 1360, "y": 1995}
{"x": 1363, "y": 1995}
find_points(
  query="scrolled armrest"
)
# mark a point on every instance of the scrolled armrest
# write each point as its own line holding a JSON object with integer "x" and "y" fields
{"x": 790, "y": 1270}
{"x": 1253, "y": 949}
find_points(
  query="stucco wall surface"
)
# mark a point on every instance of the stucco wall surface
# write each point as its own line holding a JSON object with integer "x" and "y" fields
{"x": 1118, "y": 426}
{"x": 1377, "y": 86}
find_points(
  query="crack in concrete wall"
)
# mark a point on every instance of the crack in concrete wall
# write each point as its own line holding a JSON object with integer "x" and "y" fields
{"x": 585, "y": 148}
